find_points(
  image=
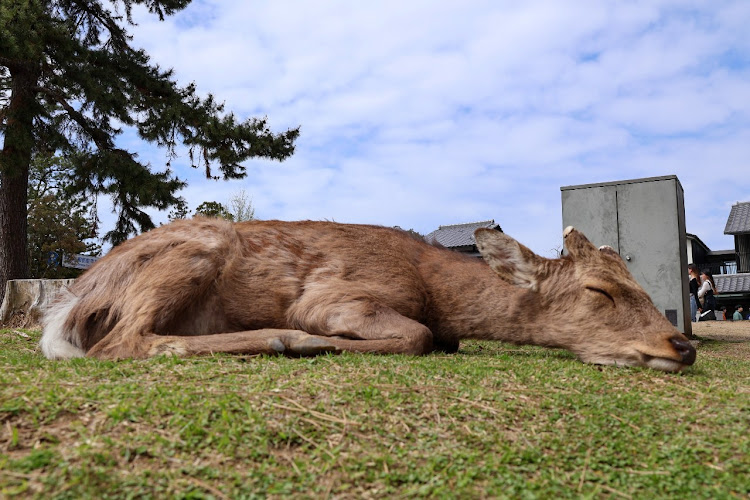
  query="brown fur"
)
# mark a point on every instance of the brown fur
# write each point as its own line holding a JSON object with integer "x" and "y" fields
{"x": 301, "y": 288}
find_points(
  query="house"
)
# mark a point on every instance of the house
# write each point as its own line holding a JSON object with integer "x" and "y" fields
{"x": 717, "y": 261}
{"x": 738, "y": 225}
{"x": 460, "y": 237}
{"x": 730, "y": 268}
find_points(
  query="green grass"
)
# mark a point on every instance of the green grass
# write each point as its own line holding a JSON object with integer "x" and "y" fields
{"x": 491, "y": 421}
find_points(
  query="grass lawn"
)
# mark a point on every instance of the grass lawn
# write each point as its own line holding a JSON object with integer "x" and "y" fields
{"x": 491, "y": 421}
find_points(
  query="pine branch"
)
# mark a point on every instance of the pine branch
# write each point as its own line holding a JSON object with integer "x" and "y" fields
{"x": 100, "y": 138}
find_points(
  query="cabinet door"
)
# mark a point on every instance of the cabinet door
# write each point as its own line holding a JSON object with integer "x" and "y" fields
{"x": 650, "y": 240}
{"x": 593, "y": 211}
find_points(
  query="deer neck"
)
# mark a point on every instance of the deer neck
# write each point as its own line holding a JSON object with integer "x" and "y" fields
{"x": 469, "y": 301}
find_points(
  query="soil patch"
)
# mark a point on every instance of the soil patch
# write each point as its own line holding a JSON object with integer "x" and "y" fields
{"x": 729, "y": 331}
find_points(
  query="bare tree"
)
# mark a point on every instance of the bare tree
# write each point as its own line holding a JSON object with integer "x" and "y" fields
{"x": 241, "y": 206}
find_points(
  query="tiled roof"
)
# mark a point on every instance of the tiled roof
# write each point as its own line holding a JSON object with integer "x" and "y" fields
{"x": 697, "y": 240}
{"x": 732, "y": 283}
{"x": 459, "y": 235}
{"x": 739, "y": 219}
{"x": 722, "y": 253}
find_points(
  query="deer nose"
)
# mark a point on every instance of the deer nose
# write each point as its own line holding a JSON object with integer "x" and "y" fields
{"x": 685, "y": 349}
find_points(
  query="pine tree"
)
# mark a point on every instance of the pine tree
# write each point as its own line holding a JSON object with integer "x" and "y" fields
{"x": 69, "y": 76}
{"x": 180, "y": 210}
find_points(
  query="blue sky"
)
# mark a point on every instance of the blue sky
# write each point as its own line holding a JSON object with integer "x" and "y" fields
{"x": 424, "y": 113}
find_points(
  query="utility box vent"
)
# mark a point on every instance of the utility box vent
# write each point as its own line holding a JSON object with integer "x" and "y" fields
{"x": 671, "y": 315}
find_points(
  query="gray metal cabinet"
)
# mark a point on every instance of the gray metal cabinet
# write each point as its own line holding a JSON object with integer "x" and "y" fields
{"x": 643, "y": 220}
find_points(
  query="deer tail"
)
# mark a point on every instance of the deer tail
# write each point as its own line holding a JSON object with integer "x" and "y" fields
{"x": 60, "y": 338}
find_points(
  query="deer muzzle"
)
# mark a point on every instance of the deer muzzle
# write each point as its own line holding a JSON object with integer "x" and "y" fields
{"x": 685, "y": 349}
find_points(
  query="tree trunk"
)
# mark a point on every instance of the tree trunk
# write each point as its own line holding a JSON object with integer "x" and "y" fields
{"x": 26, "y": 300}
{"x": 14, "y": 175}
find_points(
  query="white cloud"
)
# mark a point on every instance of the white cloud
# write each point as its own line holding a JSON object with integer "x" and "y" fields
{"x": 424, "y": 113}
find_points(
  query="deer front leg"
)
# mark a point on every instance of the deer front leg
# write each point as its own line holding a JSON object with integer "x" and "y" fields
{"x": 267, "y": 341}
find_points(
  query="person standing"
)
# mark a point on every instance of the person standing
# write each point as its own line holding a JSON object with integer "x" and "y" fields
{"x": 737, "y": 316}
{"x": 707, "y": 292}
{"x": 695, "y": 282}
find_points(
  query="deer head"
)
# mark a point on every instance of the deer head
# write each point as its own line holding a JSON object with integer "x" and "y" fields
{"x": 587, "y": 302}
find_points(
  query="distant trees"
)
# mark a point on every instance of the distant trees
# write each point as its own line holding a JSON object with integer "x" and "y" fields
{"x": 240, "y": 208}
{"x": 213, "y": 209}
{"x": 179, "y": 210}
{"x": 59, "y": 222}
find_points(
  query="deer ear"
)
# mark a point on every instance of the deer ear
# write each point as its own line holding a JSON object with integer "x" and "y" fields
{"x": 514, "y": 262}
{"x": 579, "y": 247}
{"x": 608, "y": 250}
{"x": 613, "y": 256}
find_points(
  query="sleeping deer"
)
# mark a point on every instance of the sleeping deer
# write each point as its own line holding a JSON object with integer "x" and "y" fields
{"x": 207, "y": 286}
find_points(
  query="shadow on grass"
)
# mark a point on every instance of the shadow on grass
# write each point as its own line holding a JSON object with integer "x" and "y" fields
{"x": 497, "y": 349}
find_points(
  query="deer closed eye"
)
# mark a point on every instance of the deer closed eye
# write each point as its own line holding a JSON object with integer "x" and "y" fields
{"x": 601, "y": 292}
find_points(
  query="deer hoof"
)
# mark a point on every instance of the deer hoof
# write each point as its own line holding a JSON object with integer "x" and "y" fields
{"x": 311, "y": 346}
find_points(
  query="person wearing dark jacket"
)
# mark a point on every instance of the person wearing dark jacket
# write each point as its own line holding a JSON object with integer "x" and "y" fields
{"x": 695, "y": 282}
{"x": 737, "y": 316}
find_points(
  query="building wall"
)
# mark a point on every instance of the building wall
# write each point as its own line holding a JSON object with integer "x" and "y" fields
{"x": 697, "y": 255}
{"x": 742, "y": 247}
